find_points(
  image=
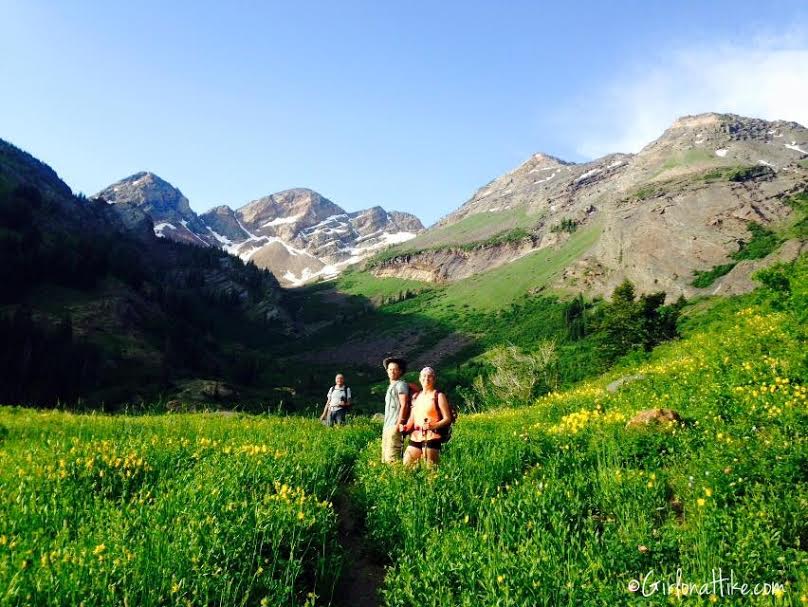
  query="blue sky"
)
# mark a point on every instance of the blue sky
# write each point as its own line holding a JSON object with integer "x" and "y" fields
{"x": 410, "y": 105}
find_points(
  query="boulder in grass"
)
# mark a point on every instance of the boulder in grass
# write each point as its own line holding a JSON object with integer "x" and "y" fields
{"x": 178, "y": 406}
{"x": 216, "y": 390}
{"x": 654, "y": 417}
{"x": 619, "y": 383}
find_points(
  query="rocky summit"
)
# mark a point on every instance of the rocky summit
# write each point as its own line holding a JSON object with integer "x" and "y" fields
{"x": 168, "y": 208}
{"x": 684, "y": 203}
{"x": 297, "y": 234}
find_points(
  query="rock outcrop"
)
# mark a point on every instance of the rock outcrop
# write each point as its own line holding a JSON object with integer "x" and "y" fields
{"x": 660, "y": 418}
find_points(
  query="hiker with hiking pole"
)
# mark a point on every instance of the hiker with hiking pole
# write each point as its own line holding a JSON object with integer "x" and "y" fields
{"x": 396, "y": 409}
{"x": 430, "y": 421}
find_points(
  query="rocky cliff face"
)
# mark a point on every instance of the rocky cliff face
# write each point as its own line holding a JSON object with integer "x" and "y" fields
{"x": 453, "y": 263}
{"x": 683, "y": 203}
{"x": 165, "y": 204}
{"x": 223, "y": 223}
{"x": 297, "y": 234}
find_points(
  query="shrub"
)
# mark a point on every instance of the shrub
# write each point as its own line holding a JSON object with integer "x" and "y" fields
{"x": 517, "y": 376}
{"x": 762, "y": 243}
{"x": 738, "y": 174}
{"x": 704, "y": 279}
{"x": 567, "y": 225}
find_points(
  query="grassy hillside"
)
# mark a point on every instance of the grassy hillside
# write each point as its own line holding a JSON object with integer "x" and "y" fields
{"x": 556, "y": 503}
{"x": 377, "y": 289}
{"x": 500, "y": 287}
{"x": 491, "y": 290}
{"x": 472, "y": 228}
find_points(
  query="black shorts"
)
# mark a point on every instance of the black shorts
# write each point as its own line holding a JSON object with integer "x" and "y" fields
{"x": 430, "y": 444}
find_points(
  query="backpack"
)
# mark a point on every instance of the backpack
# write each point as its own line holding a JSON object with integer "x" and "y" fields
{"x": 348, "y": 394}
{"x": 447, "y": 431}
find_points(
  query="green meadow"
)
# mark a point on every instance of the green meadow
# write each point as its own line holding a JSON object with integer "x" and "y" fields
{"x": 555, "y": 503}
{"x": 472, "y": 228}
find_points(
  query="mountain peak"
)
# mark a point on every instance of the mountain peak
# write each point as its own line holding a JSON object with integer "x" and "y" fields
{"x": 146, "y": 179}
{"x": 540, "y": 160}
{"x": 547, "y": 159}
{"x": 297, "y": 192}
{"x": 299, "y": 202}
{"x": 157, "y": 197}
{"x": 141, "y": 180}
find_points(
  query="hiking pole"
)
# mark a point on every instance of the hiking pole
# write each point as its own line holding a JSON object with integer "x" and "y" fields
{"x": 426, "y": 440}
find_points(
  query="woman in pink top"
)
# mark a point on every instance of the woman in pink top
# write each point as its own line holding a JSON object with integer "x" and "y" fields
{"x": 429, "y": 415}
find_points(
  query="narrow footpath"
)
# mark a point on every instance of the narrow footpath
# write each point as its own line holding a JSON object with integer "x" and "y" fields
{"x": 362, "y": 576}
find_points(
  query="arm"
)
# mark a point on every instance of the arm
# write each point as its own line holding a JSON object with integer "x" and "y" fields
{"x": 410, "y": 425}
{"x": 325, "y": 407}
{"x": 404, "y": 409}
{"x": 348, "y": 394}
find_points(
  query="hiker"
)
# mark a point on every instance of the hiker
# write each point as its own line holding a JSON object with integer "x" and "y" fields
{"x": 337, "y": 402}
{"x": 429, "y": 421}
{"x": 396, "y": 409}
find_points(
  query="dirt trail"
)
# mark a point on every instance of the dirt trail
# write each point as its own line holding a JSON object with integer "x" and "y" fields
{"x": 362, "y": 575}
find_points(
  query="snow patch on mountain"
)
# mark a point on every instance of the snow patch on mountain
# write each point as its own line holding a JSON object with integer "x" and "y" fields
{"x": 325, "y": 222}
{"x": 279, "y": 221}
{"x": 793, "y": 146}
{"x": 587, "y": 175}
{"x": 397, "y": 237}
{"x": 159, "y": 229}
{"x": 194, "y": 234}
{"x": 221, "y": 239}
{"x": 546, "y": 178}
{"x": 307, "y": 275}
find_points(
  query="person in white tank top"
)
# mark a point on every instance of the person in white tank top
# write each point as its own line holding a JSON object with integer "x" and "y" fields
{"x": 430, "y": 414}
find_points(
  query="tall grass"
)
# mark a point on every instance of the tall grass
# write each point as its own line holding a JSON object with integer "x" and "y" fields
{"x": 169, "y": 510}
